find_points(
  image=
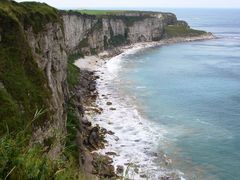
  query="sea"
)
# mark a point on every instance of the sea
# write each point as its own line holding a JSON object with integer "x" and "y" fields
{"x": 176, "y": 108}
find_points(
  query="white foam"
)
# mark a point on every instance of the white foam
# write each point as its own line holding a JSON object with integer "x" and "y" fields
{"x": 135, "y": 140}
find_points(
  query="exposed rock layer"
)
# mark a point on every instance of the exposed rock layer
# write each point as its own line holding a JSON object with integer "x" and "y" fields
{"x": 93, "y": 34}
{"x": 38, "y": 40}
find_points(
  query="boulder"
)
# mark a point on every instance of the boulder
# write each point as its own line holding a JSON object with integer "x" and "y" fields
{"x": 109, "y": 103}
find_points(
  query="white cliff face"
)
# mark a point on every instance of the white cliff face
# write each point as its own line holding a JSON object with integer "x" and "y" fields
{"x": 88, "y": 35}
{"x": 149, "y": 29}
{"x": 99, "y": 33}
{"x": 118, "y": 26}
{"x": 48, "y": 48}
{"x": 75, "y": 29}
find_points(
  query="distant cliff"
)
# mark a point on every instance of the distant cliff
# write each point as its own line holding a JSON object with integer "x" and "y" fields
{"x": 41, "y": 92}
{"x": 91, "y": 34}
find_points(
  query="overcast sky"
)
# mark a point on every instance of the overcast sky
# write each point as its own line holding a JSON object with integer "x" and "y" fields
{"x": 141, "y": 3}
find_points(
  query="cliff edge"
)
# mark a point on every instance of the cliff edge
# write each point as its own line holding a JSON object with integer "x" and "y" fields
{"x": 43, "y": 130}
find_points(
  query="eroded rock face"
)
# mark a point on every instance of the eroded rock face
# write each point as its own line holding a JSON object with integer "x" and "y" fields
{"x": 48, "y": 48}
{"x": 76, "y": 28}
{"x": 87, "y": 35}
{"x": 91, "y": 34}
{"x": 140, "y": 31}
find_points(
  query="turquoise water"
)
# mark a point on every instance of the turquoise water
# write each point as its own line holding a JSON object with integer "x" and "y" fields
{"x": 193, "y": 91}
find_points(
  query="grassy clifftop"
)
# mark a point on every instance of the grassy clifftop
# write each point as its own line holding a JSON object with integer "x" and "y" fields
{"x": 24, "y": 98}
{"x": 181, "y": 31}
{"x": 23, "y": 87}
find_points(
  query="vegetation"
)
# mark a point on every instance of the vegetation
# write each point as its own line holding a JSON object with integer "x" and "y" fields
{"x": 113, "y": 14}
{"x": 102, "y": 12}
{"x": 23, "y": 84}
{"x": 73, "y": 71}
{"x": 117, "y": 40}
{"x": 19, "y": 160}
{"x": 181, "y": 31}
{"x": 31, "y": 14}
{"x": 99, "y": 12}
{"x": 23, "y": 95}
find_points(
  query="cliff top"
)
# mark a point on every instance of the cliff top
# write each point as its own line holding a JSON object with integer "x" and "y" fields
{"x": 129, "y": 13}
{"x": 29, "y": 13}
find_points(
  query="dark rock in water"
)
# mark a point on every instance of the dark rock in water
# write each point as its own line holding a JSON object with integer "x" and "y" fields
{"x": 86, "y": 122}
{"x": 103, "y": 167}
{"x": 109, "y": 103}
{"x": 111, "y": 153}
{"x": 119, "y": 169}
{"x": 112, "y": 109}
{"x": 143, "y": 176}
{"x": 110, "y": 133}
{"x": 153, "y": 154}
{"x": 104, "y": 131}
{"x": 96, "y": 138}
{"x": 166, "y": 178}
{"x": 116, "y": 138}
{"x": 93, "y": 96}
{"x": 92, "y": 86}
{"x": 136, "y": 170}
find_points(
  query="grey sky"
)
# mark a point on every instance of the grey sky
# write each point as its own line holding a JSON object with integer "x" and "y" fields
{"x": 141, "y": 3}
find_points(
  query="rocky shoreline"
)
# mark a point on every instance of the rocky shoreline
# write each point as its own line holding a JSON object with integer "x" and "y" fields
{"x": 91, "y": 75}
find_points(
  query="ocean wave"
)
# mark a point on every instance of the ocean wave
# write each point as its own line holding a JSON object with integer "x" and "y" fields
{"x": 135, "y": 138}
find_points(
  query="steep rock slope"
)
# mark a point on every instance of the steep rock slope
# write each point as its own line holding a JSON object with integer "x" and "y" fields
{"x": 42, "y": 93}
{"x": 33, "y": 71}
{"x": 91, "y": 34}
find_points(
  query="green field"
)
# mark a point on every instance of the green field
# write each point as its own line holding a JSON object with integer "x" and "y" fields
{"x": 102, "y": 12}
{"x": 99, "y": 12}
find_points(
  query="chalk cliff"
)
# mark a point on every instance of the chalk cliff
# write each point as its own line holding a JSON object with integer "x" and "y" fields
{"x": 38, "y": 81}
{"x": 92, "y": 34}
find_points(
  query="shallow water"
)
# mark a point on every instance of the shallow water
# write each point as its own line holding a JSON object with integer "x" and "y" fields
{"x": 188, "y": 93}
{"x": 177, "y": 101}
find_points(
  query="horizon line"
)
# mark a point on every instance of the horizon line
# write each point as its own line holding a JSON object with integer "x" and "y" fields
{"x": 117, "y": 8}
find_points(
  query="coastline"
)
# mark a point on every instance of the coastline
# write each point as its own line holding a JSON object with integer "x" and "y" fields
{"x": 108, "y": 105}
{"x": 94, "y": 62}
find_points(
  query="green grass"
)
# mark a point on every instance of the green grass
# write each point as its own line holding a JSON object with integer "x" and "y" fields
{"x": 23, "y": 90}
{"x": 73, "y": 71}
{"x": 102, "y": 12}
{"x": 72, "y": 119}
{"x": 181, "y": 31}
{"x": 19, "y": 160}
{"x": 117, "y": 40}
{"x": 30, "y": 14}
{"x": 25, "y": 85}
{"x": 99, "y": 12}
{"x": 114, "y": 14}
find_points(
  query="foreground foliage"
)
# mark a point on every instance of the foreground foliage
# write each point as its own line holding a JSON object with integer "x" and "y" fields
{"x": 20, "y": 159}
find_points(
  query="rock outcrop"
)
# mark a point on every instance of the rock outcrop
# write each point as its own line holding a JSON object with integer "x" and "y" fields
{"x": 36, "y": 42}
{"x": 48, "y": 49}
{"x": 93, "y": 34}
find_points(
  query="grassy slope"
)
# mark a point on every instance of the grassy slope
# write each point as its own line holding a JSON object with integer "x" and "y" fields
{"x": 25, "y": 87}
{"x": 181, "y": 31}
{"x": 23, "y": 90}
